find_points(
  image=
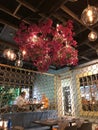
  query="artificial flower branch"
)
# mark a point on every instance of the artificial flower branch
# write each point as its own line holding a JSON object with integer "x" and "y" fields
{"x": 46, "y": 45}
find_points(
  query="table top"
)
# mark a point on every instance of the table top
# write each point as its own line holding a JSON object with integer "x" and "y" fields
{"x": 13, "y": 128}
{"x": 50, "y": 122}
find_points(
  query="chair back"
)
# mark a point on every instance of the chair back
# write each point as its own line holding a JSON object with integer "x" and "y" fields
{"x": 85, "y": 126}
{"x": 71, "y": 127}
{"x": 18, "y": 128}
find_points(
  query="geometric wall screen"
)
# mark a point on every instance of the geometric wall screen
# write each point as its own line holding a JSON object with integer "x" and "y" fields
{"x": 78, "y": 94}
{"x": 14, "y": 80}
{"x": 85, "y": 82}
{"x": 72, "y": 93}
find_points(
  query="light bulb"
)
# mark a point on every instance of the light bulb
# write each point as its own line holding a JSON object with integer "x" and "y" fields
{"x": 92, "y": 36}
{"x": 90, "y": 19}
{"x": 89, "y": 12}
{"x": 89, "y": 15}
{"x": 19, "y": 63}
{"x": 23, "y": 52}
{"x": 9, "y": 54}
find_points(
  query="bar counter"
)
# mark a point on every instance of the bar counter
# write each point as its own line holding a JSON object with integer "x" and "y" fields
{"x": 25, "y": 119}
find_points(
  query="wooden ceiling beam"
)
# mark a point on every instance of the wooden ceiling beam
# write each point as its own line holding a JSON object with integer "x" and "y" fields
{"x": 7, "y": 11}
{"x": 83, "y": 42}
{"x": 86, "y": 52}
{"x": 14, "y": 26}
{"x": 85, "y": 58}
{"x": 8, "y": 44}
{"x": 57, "y": 5}
{"x": 83, "y": 29}
{"x": 27, "y": 5}
{"x": 88, "y": 44}
{"x": 17, "y": 8}
{"x": 59, "y": 18}
{"x": 69, "y": 12}
{"x": 4, "y": 9}
{"x": 30, "y": 7}
{"x": 80, "y": 30}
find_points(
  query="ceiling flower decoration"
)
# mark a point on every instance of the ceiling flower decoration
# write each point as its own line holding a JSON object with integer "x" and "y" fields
{"x": 46, "y": 45}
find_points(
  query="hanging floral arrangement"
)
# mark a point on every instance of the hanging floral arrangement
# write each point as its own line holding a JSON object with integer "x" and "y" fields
{"x": 46, "y": 45}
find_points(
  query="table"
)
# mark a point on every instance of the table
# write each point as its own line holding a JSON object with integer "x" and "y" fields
{"x": 13, "y": 128}
{"x": 49, "y": 123}
{"x": 53, "y": 122}
{"x": 36, "y": 105}
{"x": 33, "y": 106}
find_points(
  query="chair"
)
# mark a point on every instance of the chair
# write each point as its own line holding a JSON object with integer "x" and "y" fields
{"x": 85, "y": 126}
{"x": 18, "y": 128}
{"x": 71, "y": 127}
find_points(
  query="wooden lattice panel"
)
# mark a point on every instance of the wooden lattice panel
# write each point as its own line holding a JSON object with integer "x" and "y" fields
{"x": 13, "y": 80}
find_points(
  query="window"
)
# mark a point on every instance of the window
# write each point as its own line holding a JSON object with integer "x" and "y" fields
{"x": 89, "y": 92}
{"x": 67, "y": 100}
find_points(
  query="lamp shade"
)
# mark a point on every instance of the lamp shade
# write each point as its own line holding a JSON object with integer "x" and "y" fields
{"x": 89, "y": 15}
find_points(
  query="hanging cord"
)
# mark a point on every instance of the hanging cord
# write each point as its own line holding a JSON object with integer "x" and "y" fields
{"x": 87, "y": 2}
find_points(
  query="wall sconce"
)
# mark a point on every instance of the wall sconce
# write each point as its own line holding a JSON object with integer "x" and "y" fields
{"x": 92, "y": 36}
{"x": 89, "y": 15}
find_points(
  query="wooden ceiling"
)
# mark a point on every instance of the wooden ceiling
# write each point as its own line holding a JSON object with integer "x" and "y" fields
{"x": 12, "y": 12}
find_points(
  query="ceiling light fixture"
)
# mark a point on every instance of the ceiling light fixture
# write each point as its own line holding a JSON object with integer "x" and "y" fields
{"x": 19, "y": 61}
{"x": 89, "y": 15}
{"x": 92, "y": 36}
{"x": 9, "y": 54}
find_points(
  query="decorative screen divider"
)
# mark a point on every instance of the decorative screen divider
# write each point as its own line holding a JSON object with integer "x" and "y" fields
{"x": 71, "y": 93}
{"x": 14, "y": 80}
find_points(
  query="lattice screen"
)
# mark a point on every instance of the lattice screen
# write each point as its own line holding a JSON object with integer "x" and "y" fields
{"x": 73, "y": 93}
{"x": 14, "y": 80}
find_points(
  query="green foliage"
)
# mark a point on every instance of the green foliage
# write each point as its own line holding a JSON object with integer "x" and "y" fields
{"x": 8, "y": 95}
